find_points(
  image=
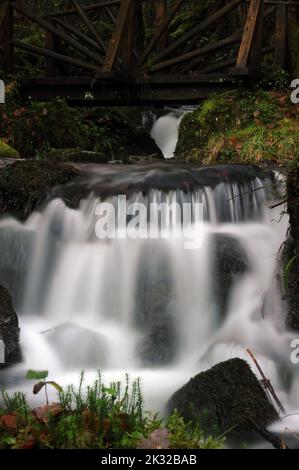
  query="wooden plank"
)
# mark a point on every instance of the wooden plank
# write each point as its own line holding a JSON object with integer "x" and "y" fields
{"x": 228, "y": 63}
{"x": 122, "y": 94}
{"x": 94, "y": 7}
{"x": 126, "y": 50}
{"x": 197, "y": 30}
{"x": 281, "y": 36}
{"x": 161, "y": 15}
{"x": 72, "y": 29}
{"x": 7, "y": 35}
{"x": 50, "y": 43}
{"x": 89, "y": 25}
{"x": 251, "y": 22}
{"x": 53, "y": 55}
{"x": 192, "y": 66}
{"x": 160, "y": 31}
{"x": 255, "y": 55}
{"x": 117, "y": 35}
{"x": 110, "y": 14}
{"x": 197, "y": 53}
{"x": 57, "y": 32}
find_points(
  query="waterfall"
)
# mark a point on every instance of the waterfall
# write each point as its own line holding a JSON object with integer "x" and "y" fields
{"x": 165, "y": 132}
{"x": 149, "y": 306}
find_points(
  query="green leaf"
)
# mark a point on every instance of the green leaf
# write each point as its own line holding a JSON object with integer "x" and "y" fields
{"x": 56, "y": 386}
{"x": 37, "y": 374}
{"x": 37, "y": 387}
{"x": 10, "y": 441}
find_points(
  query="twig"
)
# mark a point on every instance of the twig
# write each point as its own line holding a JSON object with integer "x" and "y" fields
{"x": 266, "y": 382}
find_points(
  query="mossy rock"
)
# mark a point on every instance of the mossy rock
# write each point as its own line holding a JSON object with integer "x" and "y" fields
{"x": 9, "y": 328}
{"x": 240, "y": 126}
{"x": 24, "y": 185}
{"x": 6, "y": 151}
{"x": 227, "y": 396}
{"x": 76, "y": 156}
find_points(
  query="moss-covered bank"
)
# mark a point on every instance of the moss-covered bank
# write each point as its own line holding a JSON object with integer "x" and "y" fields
{"x": 25, "y": 184}
{"x": 252, "y": 126}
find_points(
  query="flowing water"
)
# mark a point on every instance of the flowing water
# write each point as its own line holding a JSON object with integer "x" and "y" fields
{"x": 152, "y": 307}
{"x": 165, "y": 132}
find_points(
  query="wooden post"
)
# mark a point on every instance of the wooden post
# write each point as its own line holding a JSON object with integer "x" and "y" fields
{"x": 118, "y": 36}
{"x": 281, "y": 36}
{"x": 161, "y": 14}
{"x": 255, "y": 56}
{"x": 7, "y": 36}
{"x": 249, "y": 58}
{"x": 50, "y": 44}
{"x": 293, "y": 39}
{"x": 126, "y": 52}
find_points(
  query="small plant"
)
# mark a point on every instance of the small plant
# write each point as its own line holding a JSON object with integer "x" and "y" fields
{"x": 42, "y": 383}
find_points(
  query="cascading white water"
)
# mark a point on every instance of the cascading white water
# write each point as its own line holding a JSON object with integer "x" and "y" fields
{"x": 165, "y": 132}
{"x": 151, "y": 308}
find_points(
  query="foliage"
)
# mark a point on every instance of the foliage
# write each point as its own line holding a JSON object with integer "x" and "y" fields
{"x": 243, "y": 126}
{"x": 34, "y": 128}
{"x": 6, "y": 151}
{"x": 95, "y": 417}
{"x": 41, "y": 376}
{"x": 190, "y": 435}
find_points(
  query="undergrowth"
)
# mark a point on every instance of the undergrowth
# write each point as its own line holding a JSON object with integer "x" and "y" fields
{"x": 94, "y": 417}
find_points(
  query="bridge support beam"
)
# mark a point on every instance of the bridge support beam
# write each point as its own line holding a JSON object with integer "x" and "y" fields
{"x": 249, "y": 58}
{"x": 6, "y": 35}
{"x": 123, "y": 32}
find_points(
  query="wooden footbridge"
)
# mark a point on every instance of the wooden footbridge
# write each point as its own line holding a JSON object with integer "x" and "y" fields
{"x": 124, "y": 63}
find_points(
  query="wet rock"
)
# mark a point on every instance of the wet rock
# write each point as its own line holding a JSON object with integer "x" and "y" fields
{"x": 123, "y": 134}
{"x": 227, "y": 395}
{"x": 76, "y": 156}
{"x": 230, "y": 262}
{"x": 24, "y": 185}
{"x": 9, "y": 328}
{"x": 64, "y": 340}
{"x": 155, "y": 311}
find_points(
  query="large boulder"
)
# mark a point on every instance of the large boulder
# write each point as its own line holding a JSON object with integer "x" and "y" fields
{"x": 226, "y": 396}
{"x": 9, "y": 328}
{"x": 26, "y": 184}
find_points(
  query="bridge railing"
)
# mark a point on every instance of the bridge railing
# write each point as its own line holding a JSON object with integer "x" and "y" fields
{"x": 74, "y": 43}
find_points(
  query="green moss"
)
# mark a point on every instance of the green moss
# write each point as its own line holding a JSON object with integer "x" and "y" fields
{"x": 26, "y": 184}
{"x": 240, "y": 126}
{"x": 6, "y": 151}
{"x": 228, "y": 396}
